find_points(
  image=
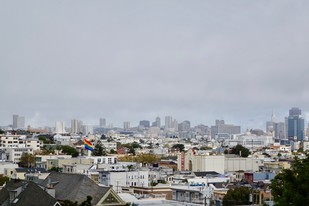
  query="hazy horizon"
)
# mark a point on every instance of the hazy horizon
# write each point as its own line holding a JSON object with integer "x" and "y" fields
{"x": 133, "y": 60}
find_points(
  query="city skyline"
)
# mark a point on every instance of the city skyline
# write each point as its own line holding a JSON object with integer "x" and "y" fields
{"x": 164, "y": 121}
{"x": 135, "y": 60}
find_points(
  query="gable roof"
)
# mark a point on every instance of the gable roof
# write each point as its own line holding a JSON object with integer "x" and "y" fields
{"x": 31, "y": 194}
{"x": 75, "y": 187}
{"x": 11, "y": 185}
{"x": 35, "y": 196}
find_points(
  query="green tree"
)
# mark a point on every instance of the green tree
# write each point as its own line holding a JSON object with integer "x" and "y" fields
{"x": 180, "y": 147}
{"x": 205, "y": 148}
{"x": 55, "y": 169}
{"x": 99, "y": 150}
{"x": 240, "y": 150}
{"x": 69, "y": 150}
{"x": 237, "y": 196}
{"x": 291, "y": 186}
{"x": 1, "y": 131}
{"x": 113, "y": 151}
{"x": 27, "y": 160}
{"x": 86, "y": 202}
{"x": 3, "y": 179}
{"x": 146, "y": 158}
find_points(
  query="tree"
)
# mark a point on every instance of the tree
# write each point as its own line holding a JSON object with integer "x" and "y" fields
{"x": 146, "y": 158}
{"x": 237, "y": 196}
{"x": 180, "y": 147}
{"x": 205, "y": 148}
{"x": 291, "y": 186}
{"x": 87, "y": 202}
{"x": 69, "y": 150}
{"x": 1, "y": 131}
{"x": 99, "y": 150}
{"x": 3, "y": 179}
{"x": 113, "y": 151}
{"x": 240, "y": 150}
{"x": 27, "y": 160}
{"x": 55, "y": 169}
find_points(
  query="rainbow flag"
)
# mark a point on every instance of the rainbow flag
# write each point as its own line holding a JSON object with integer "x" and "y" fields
{"x": 88, "y": 145}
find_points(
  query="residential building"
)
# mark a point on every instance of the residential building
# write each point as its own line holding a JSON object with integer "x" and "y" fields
{"x": 20, "y": 193}
{"x": 14, "y": 154}
{"x": 62, "y": 187}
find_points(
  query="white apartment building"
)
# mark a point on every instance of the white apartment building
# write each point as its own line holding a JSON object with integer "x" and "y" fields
{"x": 103, "y": 159}
{"x": 18, "y": 141}
{"x": 109, "y": 146}
{"x": 14, "y": 154}
{"x": 125, "y": 179}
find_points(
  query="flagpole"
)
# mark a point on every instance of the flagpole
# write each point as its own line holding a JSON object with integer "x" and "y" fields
{"x": 89, "y": 153}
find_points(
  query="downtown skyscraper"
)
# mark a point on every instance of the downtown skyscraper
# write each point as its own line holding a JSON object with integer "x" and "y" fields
{"x": 296, "y": 124}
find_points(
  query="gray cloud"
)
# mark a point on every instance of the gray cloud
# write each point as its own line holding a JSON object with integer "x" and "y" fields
{"x": 133, "y": 60}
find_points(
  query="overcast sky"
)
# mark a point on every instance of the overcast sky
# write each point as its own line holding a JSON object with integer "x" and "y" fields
{"x": 134, "y": 60}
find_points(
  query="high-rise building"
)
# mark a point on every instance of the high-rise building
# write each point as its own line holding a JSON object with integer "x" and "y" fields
{"x": 144, "y": 123}
{"x": 184, "y": 126}
{"x": 279, "y": 130}
{"x": 271, "y": 124}
{"x": 158, "y": 122}
{"x": 126, "y": 125}
{"x": 222, "y": 128}
{"x": 168, "y": 122}
{"x": 18, "y": 122}
{"x": 102, "y": 122}
{"x": 60, "y": 128}
{"x": 296, "y": 124}
{"x": 76, "y": 126}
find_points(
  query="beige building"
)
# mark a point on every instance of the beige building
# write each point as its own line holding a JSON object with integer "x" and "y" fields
{"x": 219, "y": 163}
{"x": 193, "y": 162}
{"x": 232, "y": 164}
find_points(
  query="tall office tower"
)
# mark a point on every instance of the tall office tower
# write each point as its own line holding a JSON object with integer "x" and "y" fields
{"x": 76, "y": 126}
{"x": 158, "y": 122}
{"x": 279, "y": 130}
{"x": 175, "y": 125}
{"x": 144, "y": 123}
{"x": 60, "y": 128}
{"x": 168, "y": 122}
{"x": 126, "y": 125}
{"x": 296, "y": 124}
{"x": 294, "y": 111}
{"x": 18, "y": 122}
{"x": 271, "y": 124}
{"x": 222, "y": 128}
{"x": 102, "y": 122}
